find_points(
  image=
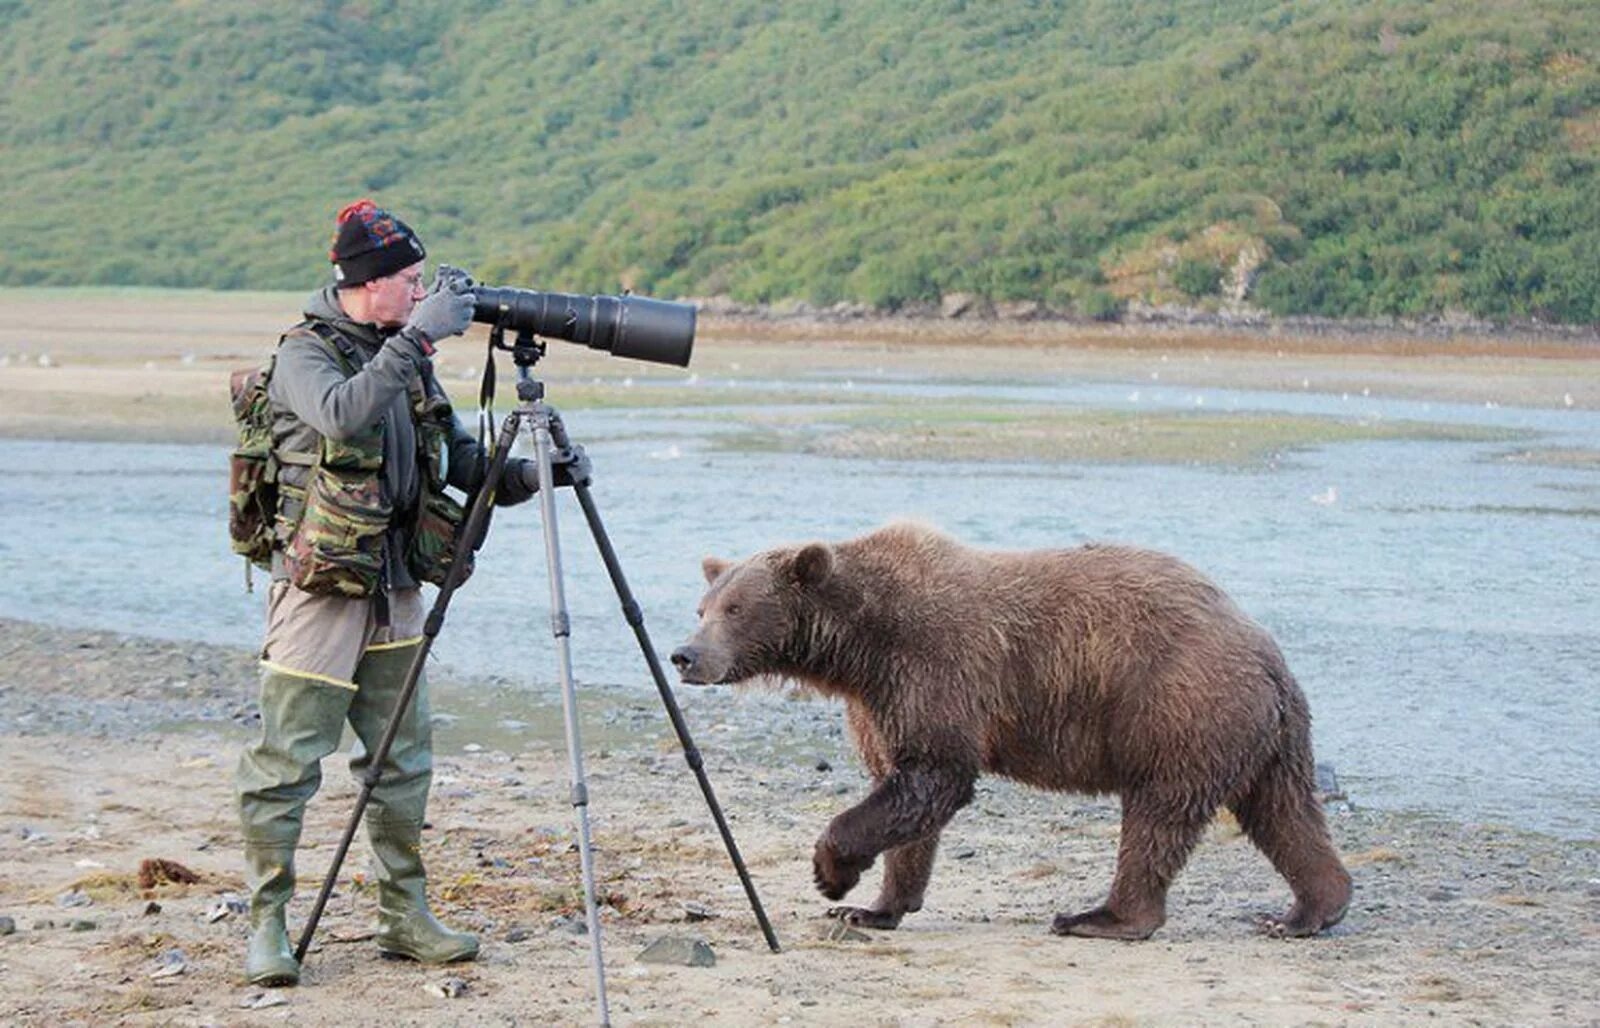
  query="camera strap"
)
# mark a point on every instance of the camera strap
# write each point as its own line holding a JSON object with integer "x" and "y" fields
{"x": 497, "y": 335}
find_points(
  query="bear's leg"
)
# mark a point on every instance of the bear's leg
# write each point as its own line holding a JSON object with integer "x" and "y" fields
{"x": 906, "y": 870}
{"x": 1281, "y": 815}
{"x": 1157, "y": 837}
{"x": 911, "y": 803}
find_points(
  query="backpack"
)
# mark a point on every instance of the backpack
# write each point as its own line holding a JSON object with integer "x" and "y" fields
{"x": 253, "y": 464}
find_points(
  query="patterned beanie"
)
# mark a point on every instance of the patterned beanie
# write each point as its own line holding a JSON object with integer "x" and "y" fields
{"x": 370, "y": 243}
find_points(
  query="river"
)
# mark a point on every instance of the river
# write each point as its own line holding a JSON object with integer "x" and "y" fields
{"x": 1437, "y": 601}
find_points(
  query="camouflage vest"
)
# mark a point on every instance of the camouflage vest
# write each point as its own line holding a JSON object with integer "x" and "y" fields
{"x": 332, "y": 529}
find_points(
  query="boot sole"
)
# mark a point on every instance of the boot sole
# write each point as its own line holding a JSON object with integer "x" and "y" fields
{"x": 395, "y": 954}
{"x": 276, "y": 980}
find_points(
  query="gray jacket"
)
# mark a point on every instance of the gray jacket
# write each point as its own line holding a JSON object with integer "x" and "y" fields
{"x": 313, "y": 396}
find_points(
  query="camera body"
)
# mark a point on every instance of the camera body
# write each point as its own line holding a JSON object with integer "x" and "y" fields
{"x": 638, "y": 327}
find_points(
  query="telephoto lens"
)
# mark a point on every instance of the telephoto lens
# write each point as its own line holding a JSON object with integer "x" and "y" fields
{"x": 639, "y": 327}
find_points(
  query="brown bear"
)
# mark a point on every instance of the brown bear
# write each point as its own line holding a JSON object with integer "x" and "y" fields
{"x": 1100, "y": 669}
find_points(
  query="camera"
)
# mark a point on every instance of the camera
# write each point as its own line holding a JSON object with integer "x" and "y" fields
{"x": 639, "y": 327}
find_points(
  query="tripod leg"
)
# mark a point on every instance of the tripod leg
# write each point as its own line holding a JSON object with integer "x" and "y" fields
{"x": 691, "y": 754}
{"x": 472, "y": 534}
{"x": 561, "y": 628}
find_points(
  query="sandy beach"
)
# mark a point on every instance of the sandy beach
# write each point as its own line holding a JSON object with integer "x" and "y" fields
{"x": 119, "y": 750}
{"x": 1451, "y": 923}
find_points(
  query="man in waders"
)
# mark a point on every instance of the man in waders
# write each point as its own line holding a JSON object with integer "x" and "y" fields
{"x": 365, "y": 442}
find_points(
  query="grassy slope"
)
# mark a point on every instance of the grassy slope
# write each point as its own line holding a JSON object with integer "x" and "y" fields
{"x": 1376, "y": 158}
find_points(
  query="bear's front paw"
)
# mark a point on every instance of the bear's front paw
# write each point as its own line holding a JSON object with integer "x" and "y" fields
{"x": 835, "y": 873}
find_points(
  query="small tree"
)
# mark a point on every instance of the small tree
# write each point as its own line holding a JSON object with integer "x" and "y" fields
{"x": 1195, "y": 279}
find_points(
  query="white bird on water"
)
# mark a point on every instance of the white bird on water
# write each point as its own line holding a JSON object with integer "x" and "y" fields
{"x": 1327, "y": 498}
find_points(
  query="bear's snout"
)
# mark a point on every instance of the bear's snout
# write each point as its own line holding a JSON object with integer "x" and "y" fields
{"x": 684, "y": 659}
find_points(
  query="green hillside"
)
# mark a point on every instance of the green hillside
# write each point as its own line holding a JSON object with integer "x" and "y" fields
{"x": 1330, "y": 156}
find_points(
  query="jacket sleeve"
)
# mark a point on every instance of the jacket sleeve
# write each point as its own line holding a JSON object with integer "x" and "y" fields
{"x": 466, "y": 469}
{"x": 310, "y": 380}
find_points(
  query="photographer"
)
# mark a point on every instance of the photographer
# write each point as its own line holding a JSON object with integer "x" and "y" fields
{"x": 365, "y": 442}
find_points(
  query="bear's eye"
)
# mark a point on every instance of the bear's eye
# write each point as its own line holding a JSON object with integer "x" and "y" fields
{"x": 731, "y": 610}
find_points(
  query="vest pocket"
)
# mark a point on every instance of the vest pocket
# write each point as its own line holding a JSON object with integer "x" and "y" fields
{"x": 338, "y": 546}
{"x": 433, "y": 538}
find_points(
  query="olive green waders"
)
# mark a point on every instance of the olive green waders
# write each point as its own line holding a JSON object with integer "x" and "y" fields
{"x": 302, "y": 719}
{"x": 406, "y": 928}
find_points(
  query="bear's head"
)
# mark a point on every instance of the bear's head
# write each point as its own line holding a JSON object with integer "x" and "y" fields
{"x": 753, "y": 614}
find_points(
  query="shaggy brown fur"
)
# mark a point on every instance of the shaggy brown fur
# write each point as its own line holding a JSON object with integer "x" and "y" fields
{"x": 1103, "y": 669}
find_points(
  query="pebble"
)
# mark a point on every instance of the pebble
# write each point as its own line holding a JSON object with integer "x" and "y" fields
{"x": 83, "y": 925}
{"x": 170, "y": 964}
{"x": 693, "y": 911}
{"x": 679, "y": 950}
{"x": 449, "y": 988}
{"x": 262, "y": 1000}
{"x": 838, "y": 931}
{"x": 8, "y": 926}
{"x": 75, "y": 898}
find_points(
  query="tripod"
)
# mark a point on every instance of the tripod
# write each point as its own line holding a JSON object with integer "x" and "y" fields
{"x": 552, "y": 447}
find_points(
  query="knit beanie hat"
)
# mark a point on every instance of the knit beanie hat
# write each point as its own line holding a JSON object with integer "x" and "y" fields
{"x": 370, "y": 243}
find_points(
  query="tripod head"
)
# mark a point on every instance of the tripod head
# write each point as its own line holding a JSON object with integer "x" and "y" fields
{"x": 526, "y": 351}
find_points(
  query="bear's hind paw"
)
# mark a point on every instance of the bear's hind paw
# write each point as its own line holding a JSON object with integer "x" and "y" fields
{"x": 864, "y": 918}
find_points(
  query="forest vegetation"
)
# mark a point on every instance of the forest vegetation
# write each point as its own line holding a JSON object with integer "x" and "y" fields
{"x": 1329, "y": 157}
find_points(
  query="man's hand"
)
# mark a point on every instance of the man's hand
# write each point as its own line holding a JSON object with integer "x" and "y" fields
{"x": 447, "y": 309}
{"x": 572, "y": 469}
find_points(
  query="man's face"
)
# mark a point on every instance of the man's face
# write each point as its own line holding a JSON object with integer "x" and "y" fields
{"x": 392, "y": 297}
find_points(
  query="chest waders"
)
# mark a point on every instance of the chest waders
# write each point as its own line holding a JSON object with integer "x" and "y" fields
{"x": 303, "y": 715}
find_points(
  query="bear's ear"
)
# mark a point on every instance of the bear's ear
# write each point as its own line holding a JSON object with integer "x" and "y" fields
{"x": 812, "y": 565}
{"x": 713, "y": 567}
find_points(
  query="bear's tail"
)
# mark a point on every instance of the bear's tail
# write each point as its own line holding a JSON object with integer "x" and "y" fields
{"x": 1280, "y": 813}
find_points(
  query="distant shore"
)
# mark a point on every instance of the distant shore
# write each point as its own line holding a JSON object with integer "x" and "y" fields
{"x": 1136, "y": 317}
{"x": 153, "y": 365}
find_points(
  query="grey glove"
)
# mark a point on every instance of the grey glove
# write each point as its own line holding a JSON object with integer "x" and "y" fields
{"x": 447, "y": 309}
{"x": 570, "y": 468}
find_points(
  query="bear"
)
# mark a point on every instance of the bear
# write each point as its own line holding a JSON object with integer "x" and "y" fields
{"x": 1100, "y": 669}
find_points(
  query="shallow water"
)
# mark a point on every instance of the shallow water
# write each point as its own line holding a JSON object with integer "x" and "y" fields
{"x": 1436, "y": 603}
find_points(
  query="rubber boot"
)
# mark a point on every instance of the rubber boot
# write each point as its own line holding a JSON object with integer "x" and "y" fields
{"x": 406, "y": 927}
{"x": 269, "y": 959}
{"x": 301, "y": 721}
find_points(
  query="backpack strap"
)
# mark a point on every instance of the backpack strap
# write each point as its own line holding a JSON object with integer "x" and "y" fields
{"x": 337, "y": 345}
